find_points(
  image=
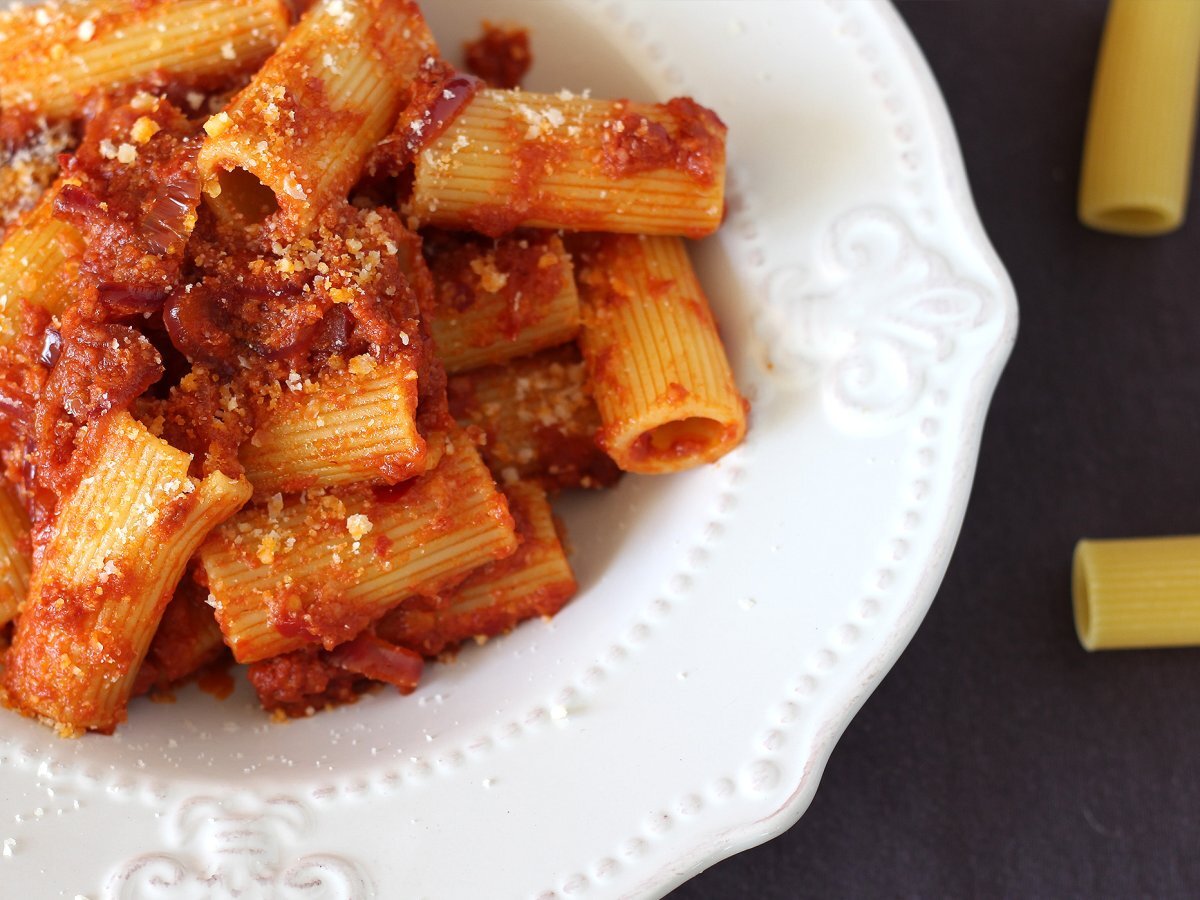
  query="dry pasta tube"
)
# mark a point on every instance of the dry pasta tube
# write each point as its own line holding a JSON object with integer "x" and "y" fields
{"x": 295, "y": 139}
{"x": 557, "y": 161}
{"x": 534, "y": 581}
{"x": 357, "y": 425}
{"x": 500, "y": 299}
{"x": 1138, "y": 150}
{"x": 320, "y": 567}
{"x": 120, "y": 545}
{"x": 14, "y": 554}
{"x": 36, "y": 264}
{"x": 656, "y": 365}
{"x": 1137, "y": 593}
{"x": 55, "y": 54}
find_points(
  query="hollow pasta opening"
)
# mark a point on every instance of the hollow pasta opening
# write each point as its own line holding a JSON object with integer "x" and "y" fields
{"x": 1137, "y": 219}
{"x": 246, "y": 195}
{"x": 693, "y": 436}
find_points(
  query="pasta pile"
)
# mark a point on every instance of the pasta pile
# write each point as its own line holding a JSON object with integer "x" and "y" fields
{"x": 300, "y": 327}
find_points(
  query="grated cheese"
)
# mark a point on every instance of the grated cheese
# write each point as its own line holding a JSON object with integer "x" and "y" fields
{"x": 359, "y": 525}
{"x": 217, "y": 125}
{"x": 144, "y": 129}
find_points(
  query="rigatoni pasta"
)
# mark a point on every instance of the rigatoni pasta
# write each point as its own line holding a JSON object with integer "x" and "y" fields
{"x": 14, "y": 555}
{"x": 656, "y": 364}
{"x": 52, "y": 56}
{"x": 1137, "y": 155}
{"x": 34, "y": 260}
{"x": 562, "y": 161}
{"x": 497, "y": 300}
{"x": 538, "y": 419}
{"x": 354, "y": 425}
{"x": 536, "y": 580}
{"x": 318, "y": 568}
{"x": 1137, "y": 593}
{"x": 262, "y": 396}
{"x": 296, "y": 139}
{"x": 123, "y": 539}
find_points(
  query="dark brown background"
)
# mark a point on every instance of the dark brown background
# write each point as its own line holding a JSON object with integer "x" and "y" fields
{"x": 997, "y": 758}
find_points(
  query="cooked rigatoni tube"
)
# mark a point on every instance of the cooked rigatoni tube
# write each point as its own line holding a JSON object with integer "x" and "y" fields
{"x": 295, "y": 139}
{"x": 321, "y": 566}
{"x": 37, "y": 263}
{"x": 535, "y": 581}
{"x": 1137, "y": 593}
{"x": 497, "y": 299}
{"x": 558, "y": 161}
{"x": 53, "y": 55}
{"x": 120, "y": 544}
{"x": 355, "y": 425}
{"x": 539, "y": 418}
{"x": 656, "y": 365}
{"x": 14, "y": 554}
{"x": 1137, "y": 157}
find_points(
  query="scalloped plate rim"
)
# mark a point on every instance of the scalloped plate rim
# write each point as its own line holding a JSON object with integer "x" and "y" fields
{"x": 726, "y": 844}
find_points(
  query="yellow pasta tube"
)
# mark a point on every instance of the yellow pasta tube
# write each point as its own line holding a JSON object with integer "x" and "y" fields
{"x": 36, "y": 264}
{"x": 296, "y": 138}
{"x": 356, "y": 425}
{"x": 557, "y": 161}
{"x": 1137, "y": 593}
{"x": 656, "y": 365}
{"x": 535, "y": 581}
{"x": 53, "y": 55}
{"x": 320, "y": 567}
{"x": 14, "y": 554}
{"x": 500, "y": 299}
{"x": 121, "y": 542}
{"x": 539, "y": 418}
{"x": 1138, "y": 150}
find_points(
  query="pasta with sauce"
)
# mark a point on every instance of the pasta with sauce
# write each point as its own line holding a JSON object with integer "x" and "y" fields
{"x": 302, "y": 332}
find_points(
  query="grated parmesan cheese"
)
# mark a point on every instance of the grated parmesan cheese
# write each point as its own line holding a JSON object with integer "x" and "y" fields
{"x": 491, "y": 279}
{"x": 293, "y": 188}
{"x": 144, "y": 129}
{"x": 217, "y": 125}
{"x": 266, "y": 549}
{"x": 359, "y": 526}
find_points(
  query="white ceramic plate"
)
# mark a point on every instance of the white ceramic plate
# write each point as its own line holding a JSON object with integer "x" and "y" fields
{"x": 731, "y": 620}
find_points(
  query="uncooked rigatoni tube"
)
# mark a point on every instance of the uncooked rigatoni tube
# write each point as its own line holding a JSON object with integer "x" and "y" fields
{"x": 1138, "y": 150}
{"x": 1137, "y": 593}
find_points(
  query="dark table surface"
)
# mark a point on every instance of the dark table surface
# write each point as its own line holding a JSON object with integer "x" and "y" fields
{"x": 998, "y": 758}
